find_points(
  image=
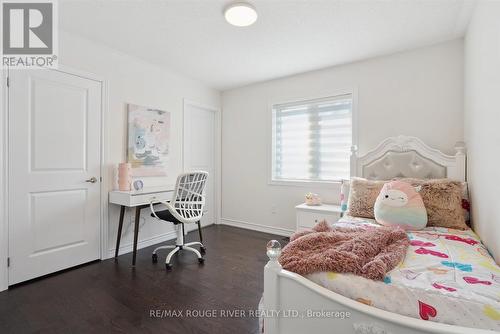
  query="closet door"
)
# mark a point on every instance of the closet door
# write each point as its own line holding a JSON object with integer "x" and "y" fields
{"x": 54, "y": 172}
{"x": 199, "y": 150}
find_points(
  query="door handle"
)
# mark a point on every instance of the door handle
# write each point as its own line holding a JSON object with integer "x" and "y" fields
{"x": 93, "y": 179}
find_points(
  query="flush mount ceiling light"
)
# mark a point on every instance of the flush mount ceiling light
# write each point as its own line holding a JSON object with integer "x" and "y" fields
{"x": 240, "y": 14}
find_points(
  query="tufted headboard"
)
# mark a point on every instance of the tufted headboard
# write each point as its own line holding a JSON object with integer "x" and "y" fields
{"x": 404, "y": 156}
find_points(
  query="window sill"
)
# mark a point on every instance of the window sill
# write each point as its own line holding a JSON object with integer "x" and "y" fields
{"x": 298, "y": 183}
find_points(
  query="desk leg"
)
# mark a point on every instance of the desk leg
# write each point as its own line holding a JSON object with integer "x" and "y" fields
{"x": 136, "y": 232}
{"x": 120, "y": 225}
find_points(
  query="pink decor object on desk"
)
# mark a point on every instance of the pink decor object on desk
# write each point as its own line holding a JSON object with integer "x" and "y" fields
{"x": 124, "y": 176}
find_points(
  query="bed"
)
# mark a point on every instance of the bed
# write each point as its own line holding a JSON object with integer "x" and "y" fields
{"x": 455, "y": 289}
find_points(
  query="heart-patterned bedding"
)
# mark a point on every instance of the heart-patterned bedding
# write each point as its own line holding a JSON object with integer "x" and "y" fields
{"x": 447, "y": 276}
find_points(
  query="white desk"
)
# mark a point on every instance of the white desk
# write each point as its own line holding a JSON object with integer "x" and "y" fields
{"x": 140, "y": 200}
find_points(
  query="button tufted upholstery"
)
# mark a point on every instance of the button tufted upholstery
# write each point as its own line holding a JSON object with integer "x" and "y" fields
{"x": 403, "y": 164}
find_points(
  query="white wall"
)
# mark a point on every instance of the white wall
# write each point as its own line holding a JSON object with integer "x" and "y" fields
{"x": 417, "y": 93}
{"x": 482, "y": 121}
{"x": 132, "y": 80}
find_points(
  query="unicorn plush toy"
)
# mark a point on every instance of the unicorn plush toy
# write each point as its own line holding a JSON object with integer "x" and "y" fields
{"x": 400, "y": 204}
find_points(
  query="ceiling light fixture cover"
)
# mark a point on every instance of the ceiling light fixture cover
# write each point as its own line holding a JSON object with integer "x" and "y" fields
{"x": 240, "y": 14}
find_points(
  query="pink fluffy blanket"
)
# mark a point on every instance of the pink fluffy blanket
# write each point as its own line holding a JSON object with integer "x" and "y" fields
{"x": 370, "y": 252}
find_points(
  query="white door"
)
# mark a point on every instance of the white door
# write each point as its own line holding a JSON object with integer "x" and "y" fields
{"x": 54, "y": 147}
{"x": 199, "y": 150}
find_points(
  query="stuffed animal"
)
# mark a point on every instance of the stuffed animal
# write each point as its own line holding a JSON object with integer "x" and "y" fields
{"x": 400, "y": 204}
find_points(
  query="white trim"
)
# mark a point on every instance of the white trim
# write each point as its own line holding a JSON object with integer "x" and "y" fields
{"x": 257, "y": 227}
{"x": 104, "y": 168}
{"x": 218, "y": 164}
{"x": 127, "y": 248}
{"x": 4, "y": 182}
{"x": 218, "y": 152}
{"x": 283, "y": 100}
{"x": 4, "y": 168}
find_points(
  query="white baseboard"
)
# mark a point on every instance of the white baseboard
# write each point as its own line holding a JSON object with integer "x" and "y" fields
{"x": 257, "y": 227}
{"x": 127, "y": 248}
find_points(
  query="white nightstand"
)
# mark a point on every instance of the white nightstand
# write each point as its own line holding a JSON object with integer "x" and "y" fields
{"x": 308, "y": 216}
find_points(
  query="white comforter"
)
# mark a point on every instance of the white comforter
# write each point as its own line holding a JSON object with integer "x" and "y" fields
{"x": 447, "y": 276}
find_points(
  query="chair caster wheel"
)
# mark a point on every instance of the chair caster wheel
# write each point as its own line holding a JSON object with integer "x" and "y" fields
{"x": 201, "y": 260}
{"x": 168, "y": 266}
{"x": 154, "y": 257}
{"x": 203, "y": 250}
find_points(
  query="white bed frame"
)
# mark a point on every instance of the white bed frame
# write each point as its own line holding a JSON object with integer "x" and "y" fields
{"x": 293, "y": 295}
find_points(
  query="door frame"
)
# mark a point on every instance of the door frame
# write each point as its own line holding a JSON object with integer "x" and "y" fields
{"x": 5, "y": 164}
{"x": 217, "y": 148}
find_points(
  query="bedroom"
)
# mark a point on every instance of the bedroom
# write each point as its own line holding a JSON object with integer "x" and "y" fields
{"x": 281, "y": 102}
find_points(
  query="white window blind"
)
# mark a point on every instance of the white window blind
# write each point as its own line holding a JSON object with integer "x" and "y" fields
{"x": 312, "y": 139}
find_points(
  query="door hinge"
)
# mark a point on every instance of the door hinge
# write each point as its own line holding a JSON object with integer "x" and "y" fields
{"x": 8, "y": 262}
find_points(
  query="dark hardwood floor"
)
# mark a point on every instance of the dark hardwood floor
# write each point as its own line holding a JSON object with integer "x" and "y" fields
{"x": 112, "y": 297}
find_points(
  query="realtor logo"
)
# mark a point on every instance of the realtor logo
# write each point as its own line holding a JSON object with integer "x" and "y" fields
{"x": 29, "y": 34}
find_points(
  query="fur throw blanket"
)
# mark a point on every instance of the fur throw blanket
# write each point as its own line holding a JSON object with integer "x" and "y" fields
{"x": 369, "y": 251}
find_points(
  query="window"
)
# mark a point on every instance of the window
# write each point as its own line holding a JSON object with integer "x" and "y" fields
{"x": 312, "y": 139}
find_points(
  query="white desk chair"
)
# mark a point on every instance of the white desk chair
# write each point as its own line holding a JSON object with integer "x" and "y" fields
{"x": 185, "y": 207}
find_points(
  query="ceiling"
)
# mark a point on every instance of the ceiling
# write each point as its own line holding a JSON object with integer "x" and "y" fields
{"x": 191, "y": 37}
